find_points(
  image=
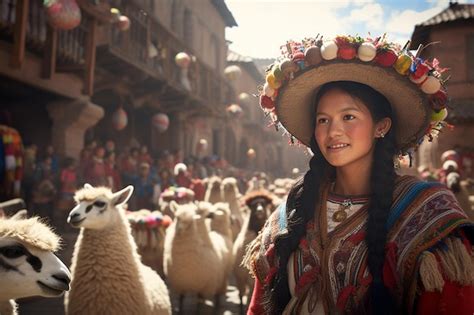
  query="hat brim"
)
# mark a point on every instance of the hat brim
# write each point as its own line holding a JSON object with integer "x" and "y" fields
{"x": 296, "y": 111}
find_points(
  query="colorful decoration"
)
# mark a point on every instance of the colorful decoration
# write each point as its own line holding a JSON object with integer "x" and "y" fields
{"x": 182, "y": 59}
{"x": 202, "y": 145}
{"x": 425, "y": 74}
{"x": 121, "y": 21}
{"x": 232, "y": 72}
{"x": 244, "y": 98}
{"x": 161, "y": 122}
{"x": 251, "y": 154}
{"x": 63, "y": 14}
{"x": 234, "y": 110}
{"x": 119, "y": 119}
{"x": 11, "y": 161}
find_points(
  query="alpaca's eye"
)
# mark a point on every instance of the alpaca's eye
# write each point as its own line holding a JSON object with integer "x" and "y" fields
{"x": 14, "y": 251}
{"x": 99, "y": 204}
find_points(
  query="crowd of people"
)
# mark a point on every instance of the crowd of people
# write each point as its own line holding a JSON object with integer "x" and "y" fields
{"x": 50, "y": 181}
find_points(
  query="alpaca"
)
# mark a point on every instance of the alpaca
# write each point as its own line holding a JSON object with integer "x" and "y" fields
{"x": 231, "y": 195}
{"x": 108, "y": 276}
{"x": 28, "y": 265}
{"x": 261, "y": 205}
{"x": 195, "y": 259}
{"x": 221, "y": 232}
{"x": 213, "y": 192}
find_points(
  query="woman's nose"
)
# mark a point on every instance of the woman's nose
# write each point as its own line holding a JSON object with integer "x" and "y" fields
{"x": 335, "y": 129}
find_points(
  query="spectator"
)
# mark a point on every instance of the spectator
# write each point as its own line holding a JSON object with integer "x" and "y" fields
{"x": 95, "y": 173}
{"x": 144, "y": 188}
{"x": 113, "y": 176}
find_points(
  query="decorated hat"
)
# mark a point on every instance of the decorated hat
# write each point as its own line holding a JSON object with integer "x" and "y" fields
{"x": 413, "y": 86}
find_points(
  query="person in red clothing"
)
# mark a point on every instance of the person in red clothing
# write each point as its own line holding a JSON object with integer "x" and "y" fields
{"x": 113, "y": 176}
{"x": 181, "y": 175}
{"x": 95, "y": 172}
{"x": 353, "y": 237}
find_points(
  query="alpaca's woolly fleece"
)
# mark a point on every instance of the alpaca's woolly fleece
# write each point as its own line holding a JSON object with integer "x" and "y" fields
{"x": 221, "y": 236}
{"x": 8, "y": 308}
{"x": 108, "y": 277}
{"x": 30, "y": 231}
{"x": 191, "y": 262}
{"x": 213, "y": 192}
{"x": 243, "y": 279}
{"x": 88, "y": 194}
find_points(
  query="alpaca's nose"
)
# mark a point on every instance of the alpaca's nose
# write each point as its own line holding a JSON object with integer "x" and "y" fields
{"x": 64, "y": 279}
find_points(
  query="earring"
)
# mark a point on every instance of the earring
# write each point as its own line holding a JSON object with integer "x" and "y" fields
{"x": 381, "y": 134}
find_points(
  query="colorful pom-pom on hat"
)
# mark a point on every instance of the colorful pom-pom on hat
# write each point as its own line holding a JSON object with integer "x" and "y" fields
{"x": 413, "y": 86}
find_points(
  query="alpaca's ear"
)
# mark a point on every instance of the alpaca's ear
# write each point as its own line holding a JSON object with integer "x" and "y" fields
{"x": 19, "y": 215}
{"x": 88, "y": 186}
{"x": 173, "y": 206}
{"x": 122, "y": 196}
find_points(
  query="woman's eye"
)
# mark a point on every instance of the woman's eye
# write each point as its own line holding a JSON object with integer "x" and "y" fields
{"x": 349, "y": 117}
{"x": 322, "y": 120}
{"x": 12, "y": 251}
{"x": 99, "y": 204}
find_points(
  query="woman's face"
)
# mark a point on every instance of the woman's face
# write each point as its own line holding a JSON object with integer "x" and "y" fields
{"x": 345, "y": 131}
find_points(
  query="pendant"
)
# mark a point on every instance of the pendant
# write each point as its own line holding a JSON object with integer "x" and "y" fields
{"x": 341, "y": 214}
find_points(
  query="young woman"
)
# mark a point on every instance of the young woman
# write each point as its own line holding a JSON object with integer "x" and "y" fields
{"x": 354, "y": 237}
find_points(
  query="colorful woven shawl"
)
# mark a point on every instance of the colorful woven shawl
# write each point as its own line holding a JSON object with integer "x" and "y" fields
{"x": 332, "y": 267}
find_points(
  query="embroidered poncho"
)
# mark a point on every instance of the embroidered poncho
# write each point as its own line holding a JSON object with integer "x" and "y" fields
{"x": 426, "y": 245}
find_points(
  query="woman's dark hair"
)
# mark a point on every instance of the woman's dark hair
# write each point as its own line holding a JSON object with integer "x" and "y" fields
{"x": 306, "y": 192}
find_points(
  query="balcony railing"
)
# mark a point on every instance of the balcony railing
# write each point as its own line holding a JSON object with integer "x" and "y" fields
{"x": 70, "y": 45}
{"x": 132, "y": 46}
{"x": 146, "y": 31}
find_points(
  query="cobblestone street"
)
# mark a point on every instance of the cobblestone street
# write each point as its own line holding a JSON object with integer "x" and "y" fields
{"x": 230, "y": 305}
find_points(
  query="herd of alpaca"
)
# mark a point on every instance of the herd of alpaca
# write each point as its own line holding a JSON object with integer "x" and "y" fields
{"x": 202, "y": 248}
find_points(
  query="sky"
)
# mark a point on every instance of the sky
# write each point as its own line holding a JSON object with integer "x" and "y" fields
{"x": 265, "y": 25}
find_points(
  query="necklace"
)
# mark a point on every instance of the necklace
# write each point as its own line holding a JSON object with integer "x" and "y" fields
{"x": 341, "y": 214}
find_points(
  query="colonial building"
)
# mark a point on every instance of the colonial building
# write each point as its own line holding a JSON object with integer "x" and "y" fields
{"x": 251, "y": 130}
{"x": 452, "y": 34}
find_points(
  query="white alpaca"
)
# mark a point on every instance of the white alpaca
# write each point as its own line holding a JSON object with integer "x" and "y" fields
{"x": 231, "y": 195}
{"x": 195, "y": 259}
{"x": 108, "y": 276}
{"x": 213, "y": 192}
{"x": 28, "y": 266}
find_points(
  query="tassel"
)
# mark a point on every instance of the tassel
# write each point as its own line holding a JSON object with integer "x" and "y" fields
{"x": 456, "y": 262}
{"x": 464, "y": 260}
{"x": 430, "y": 274}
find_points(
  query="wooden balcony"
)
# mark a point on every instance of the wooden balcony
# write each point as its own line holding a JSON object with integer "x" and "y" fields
{"x": 74, "y": 51}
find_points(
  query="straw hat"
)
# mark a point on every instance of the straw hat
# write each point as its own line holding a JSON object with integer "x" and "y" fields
{"x": 413, "y": 86}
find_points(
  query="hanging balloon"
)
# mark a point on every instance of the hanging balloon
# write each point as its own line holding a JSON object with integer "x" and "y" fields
{"x": 123, "y": 23}
{"x": 161, "y": 122}
{"x": 244, "y": 98}
{"x": 182, "y": 59}
{"x": 119, "y": 119}
{"x": 234, "y": 110}
{"x": 232, "y": 72}
{"x": 63, "y": 14}
{"x": 202, "y": 145}
{"x": 251, "y": 154}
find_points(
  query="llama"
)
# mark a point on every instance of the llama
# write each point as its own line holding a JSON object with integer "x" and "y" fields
{"x": 29, "y": 266}
{"x": 194, "y": 257}
{"x": 108, "y": 276}
{"x": 231, "y": 195}
{"x": 213, "y": 192}
{"x": 261, "y": 204}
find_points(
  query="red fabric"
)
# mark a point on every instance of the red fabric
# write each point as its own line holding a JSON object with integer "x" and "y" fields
{"x": 255, "y": 305}
{"x": 454, "y": 299}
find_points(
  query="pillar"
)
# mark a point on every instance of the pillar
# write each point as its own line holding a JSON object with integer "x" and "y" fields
{"x": 71, "y": 119}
